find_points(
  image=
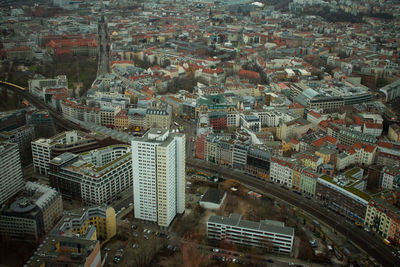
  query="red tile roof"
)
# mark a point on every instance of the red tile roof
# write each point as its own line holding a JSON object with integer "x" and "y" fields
{"x": 315, "y": 114}
{"x": 367, "y": 148}
{"x": 372, "y": 125}
{"x": 249, "y": 74}
{"x": 320, "y": 142}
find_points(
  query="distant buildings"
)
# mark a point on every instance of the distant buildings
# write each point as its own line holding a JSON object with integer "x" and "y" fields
{"x": 38, "y": 86}
{"x": 11, "y": 176}
{"x": 272, "y": 235}
{"x": 213, "y": 199}
{"x": 159, "y": 176}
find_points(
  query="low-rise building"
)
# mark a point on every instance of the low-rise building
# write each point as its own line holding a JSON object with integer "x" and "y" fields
{"x": 213, "y": 199}
{"x": 349, "y": 137}
{"x": 22, "y": 219}
{"x": 68, "y": 251}
{"x": 251, "y": 122}
{"x": 293, "y": 128}
{"x": 10, "y": 120}
{"x": 365, "y": 154}
{"x": 96, "y": 222}
{"x": 217, "y": 120}
{"x": 273, "y": 235}
{"x": 388, "y": 154}
{"x": 43, "y": 150}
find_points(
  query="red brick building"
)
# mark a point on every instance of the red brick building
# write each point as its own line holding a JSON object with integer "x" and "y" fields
{"x": 218, "y": 120}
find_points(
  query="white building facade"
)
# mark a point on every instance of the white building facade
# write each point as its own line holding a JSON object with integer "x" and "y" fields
{"x": 281, "y": 171}
{"x": 158, "y": 160}
{"x": 11, "y": 177}
{"x": 41, "y": 153}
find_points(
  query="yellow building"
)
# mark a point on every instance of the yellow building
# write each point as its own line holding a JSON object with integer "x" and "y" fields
{"x": 296, "y": 179}
{"x": 121, "y": 120}
{"x": 67, "y": 251}
{"x": 394, "y": 132}
{"x": 93, "y": 223}
{"x": 327, "y": 154}
{"x": 286, "y": 145}
{"x": 376, "y": 218}
{"x": 310, "y": 160}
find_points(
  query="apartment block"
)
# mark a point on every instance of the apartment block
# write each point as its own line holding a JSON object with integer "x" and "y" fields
{"x": 281, "y": 170}
{"x": 159, "y": 176}
{"x": 344, "y": 194}
{"x": 43, "y": 150}
{"x": 390, "y": 177}
{"x": 378, "y": 217}
{"x": 94, "y": 177}
{"x": 158, "y": 115}
{"x": 273, "y": 235}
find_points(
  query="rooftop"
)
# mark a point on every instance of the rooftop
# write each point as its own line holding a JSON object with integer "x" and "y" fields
{"x": 213, "y": 195}
{"x": 263, "y": 225}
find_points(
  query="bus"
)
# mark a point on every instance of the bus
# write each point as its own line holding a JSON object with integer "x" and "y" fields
{"x": 387, "y": 242}
{"x": 175, "y": 123}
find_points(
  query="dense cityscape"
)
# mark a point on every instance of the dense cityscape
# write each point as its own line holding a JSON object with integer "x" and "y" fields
{"x": 200, "y": 133}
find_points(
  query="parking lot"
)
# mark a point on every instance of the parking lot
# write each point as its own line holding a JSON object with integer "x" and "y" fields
{"x": 135, "y": 243}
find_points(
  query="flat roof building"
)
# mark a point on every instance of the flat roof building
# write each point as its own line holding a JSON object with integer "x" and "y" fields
{"x": 94, "y": 177}
{"x": 266, "y": 233}
{"x": 66, "y": 251}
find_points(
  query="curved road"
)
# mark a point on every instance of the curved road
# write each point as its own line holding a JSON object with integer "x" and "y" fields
{"x": 59, "y": 120}
{"x": 365, "y": 241}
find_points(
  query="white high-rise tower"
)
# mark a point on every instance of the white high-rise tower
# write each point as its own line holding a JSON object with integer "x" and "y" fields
{"x": 11, "y": 176}
{"x": 159, "y": 176}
